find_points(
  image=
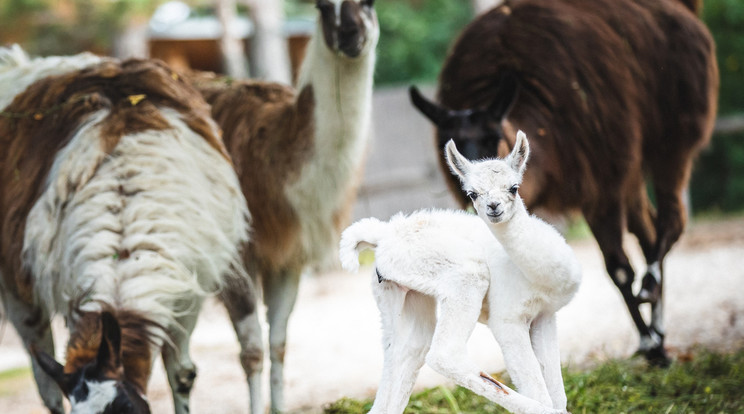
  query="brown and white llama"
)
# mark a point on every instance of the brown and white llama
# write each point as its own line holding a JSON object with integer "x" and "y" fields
{"x": 119, "y": 210}
{"x": 299, "y": 157}
{"x": 612, "y": 92}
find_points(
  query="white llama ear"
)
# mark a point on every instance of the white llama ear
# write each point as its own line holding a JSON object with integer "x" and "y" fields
{"x": 457, "y": 162}
{"x": 521, "y": 151}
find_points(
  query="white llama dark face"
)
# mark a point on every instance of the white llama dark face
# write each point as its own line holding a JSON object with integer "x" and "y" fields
{"x": 349, "y": 26}
{"x": 476, "y": 132}
{"x": 98, "y": 387}
{"x": 492, "y": 184}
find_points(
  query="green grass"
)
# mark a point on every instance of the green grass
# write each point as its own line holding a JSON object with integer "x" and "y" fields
{"x": 709, "y": 383}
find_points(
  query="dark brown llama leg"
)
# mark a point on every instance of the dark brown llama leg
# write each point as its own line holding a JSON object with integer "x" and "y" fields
{"x": 669, "y": 184}
{"x": 606, "y": 222}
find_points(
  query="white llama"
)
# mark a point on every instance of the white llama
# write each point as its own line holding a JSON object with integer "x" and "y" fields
{"x": 437, "y": 272}
{"x": 299, "y": 156}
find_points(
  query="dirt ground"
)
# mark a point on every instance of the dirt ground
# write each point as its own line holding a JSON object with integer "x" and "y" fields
{"x": 334, "y": 337}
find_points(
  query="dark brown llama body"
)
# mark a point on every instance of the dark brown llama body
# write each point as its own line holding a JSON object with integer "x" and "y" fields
{"x": 610, "y": 92}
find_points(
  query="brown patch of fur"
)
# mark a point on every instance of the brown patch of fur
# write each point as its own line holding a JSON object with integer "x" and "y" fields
{"x": 30, "y": 143}
{"x": 136, "y": 343}
{"x": 269, "y": 132}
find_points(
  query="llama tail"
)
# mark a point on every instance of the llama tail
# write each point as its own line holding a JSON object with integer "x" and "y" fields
{"x": 362, "y": 235}
{"x": 12, "y": 56}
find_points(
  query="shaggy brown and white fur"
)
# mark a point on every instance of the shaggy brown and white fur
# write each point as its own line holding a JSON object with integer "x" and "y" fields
{"x": 298, "y": 155}
{"x": 120, "y": 210}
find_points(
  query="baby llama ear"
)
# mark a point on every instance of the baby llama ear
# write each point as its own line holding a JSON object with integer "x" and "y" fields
{"x": 457, "y": 162}
{"x": 520, "y": 153}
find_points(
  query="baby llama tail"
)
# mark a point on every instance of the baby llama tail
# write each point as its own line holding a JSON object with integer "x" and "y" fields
{"x": 364, "y": 234}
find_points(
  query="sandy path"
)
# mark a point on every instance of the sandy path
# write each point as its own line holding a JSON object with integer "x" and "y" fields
{"x": 334, "y": 344}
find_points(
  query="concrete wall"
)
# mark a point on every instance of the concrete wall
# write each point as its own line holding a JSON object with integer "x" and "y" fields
{"x": 402, "y": 171}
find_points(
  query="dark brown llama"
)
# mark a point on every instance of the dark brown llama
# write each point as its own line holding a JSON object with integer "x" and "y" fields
{"x": 612, "y": 93}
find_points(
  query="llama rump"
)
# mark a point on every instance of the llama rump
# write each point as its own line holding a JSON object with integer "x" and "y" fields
{"x": 120, "y": 210}
{"x": 438, "y": 272}
{"x": 298, "y": 152}
{"x": 615, "y": 94}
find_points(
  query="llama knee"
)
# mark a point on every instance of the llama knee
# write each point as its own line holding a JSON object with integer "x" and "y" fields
{"x": 251, "y": 358}
{"x": 444, "y": 362}
{"x": 184, "y": 379}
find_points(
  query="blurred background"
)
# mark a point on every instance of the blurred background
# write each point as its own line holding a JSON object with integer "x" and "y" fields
{"x": 266, "y": 39}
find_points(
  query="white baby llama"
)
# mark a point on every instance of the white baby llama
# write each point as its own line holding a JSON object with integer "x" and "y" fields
{"x": 437, "y": 272}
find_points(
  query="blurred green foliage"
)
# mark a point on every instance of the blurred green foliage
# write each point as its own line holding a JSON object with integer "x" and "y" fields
{"x": 718, "y": 178}
{"x": 415, "y": 36}
{"x": 59, "y": 27}
{"x": 725, "y": 18}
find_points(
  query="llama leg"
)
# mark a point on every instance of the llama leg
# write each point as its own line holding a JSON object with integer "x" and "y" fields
{"x": 33, "y": 326}
{"x": 641, "y": 219}
{"x": 670, "y": 183}
{"x": 448, "y": 355}
{"x": 544, "y": 335}
{"x": 641, "y": 222}
{"x": 179, "y": 368}
{"x": 240, "y": 302}
{"x": 606, "y": 223}
{"x": 521, "y": 360}
{"x": 280, "y": 294}
{"x": 408, "y": 320}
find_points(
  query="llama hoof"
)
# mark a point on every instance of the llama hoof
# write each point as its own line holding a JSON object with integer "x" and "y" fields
{"x": 650, "y": 290}
{"x": 655, "y": 356}
{"x": 491, "y": 380}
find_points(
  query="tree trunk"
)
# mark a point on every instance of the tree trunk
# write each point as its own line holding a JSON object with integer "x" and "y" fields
{"x": 231, "y": 46}
{"x": 269, "y": 53}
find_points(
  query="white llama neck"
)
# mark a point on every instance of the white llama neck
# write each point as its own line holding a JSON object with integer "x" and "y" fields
{"x": 343, "y": 97}
{"x": 537, "y": 248}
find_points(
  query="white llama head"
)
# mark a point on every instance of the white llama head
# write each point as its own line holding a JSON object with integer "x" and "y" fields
{"x": 349, "y": 27}
{"x": 492, "y": 184}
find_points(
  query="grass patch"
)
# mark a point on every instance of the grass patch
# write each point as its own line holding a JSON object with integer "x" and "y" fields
{"x": 709, "y": 383}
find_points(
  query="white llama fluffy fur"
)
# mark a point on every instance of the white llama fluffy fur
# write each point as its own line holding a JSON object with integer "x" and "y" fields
{"x": 437, "y": 272}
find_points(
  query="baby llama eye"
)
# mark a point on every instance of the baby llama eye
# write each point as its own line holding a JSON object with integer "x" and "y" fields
{"x": 473, "y": 196}
{"x": 513, "y": 189}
